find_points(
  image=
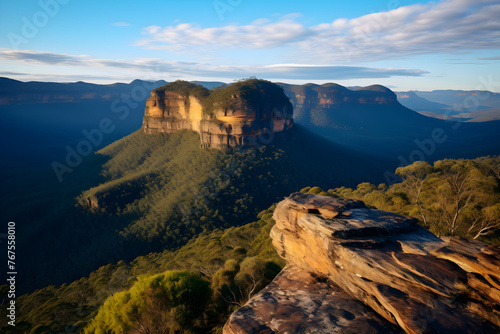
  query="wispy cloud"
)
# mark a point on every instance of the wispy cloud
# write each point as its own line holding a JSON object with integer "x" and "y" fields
{"x": 180, "y": 69}
{"x": 41, "y": 57}
{"x": 490, "y": 58}
{"x": 332, "y": 72}
{"x": 434, "y": 27}
{"x": 470, "y": 63}
{"x": 121, "y": 24}
{"x": 64, "y": 77}
{"x": 8, "y": 73}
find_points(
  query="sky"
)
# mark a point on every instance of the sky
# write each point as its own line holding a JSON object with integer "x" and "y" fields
{"x": 402, "y": 44}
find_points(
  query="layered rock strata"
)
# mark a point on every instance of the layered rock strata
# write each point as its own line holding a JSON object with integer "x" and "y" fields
{"x": 245, "y": 113}
{"x": 351, "y": 269}
{"x": 310, "y": 99}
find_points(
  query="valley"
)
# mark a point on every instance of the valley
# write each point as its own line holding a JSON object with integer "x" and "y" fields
{"x": 200, "y": 168}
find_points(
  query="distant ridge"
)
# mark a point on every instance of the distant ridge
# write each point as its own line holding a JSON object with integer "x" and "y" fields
{"x": 372, "y": 119}
{"x": 366, "y": 118}
{"x": 32, "y": 92}
{"x": 411, "y": 100}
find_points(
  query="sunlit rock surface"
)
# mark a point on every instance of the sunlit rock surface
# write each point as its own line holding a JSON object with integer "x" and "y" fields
{"x": 242, "y": 114}
{"x": 351, "y": 269}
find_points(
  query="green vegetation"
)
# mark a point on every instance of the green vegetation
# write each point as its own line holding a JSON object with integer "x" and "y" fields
{"x": 224, "y": 267}
{"x": 150, "y": 192}
{"x": 456, "y": 197}
{"x": 450, "y": 198}
{"x": 172, "y": 302}
{"x": 190, "y": 210}
{"x": 252, "y": 91}
{"x": 185, "y": 89}
{"x": 177, "y": 190}
{"x": 168, "y": 189}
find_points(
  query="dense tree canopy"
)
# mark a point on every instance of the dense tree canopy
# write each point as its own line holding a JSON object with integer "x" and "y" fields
{"x": 172, "y": 302}
{"x": 451, "y": 197}
{"x": 227, "y": 267}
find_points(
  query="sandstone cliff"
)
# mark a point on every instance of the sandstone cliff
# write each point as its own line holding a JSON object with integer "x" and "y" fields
{"x": 235, "y": 115}
{"x": 310, "y": 101}
{"x": 351, "y": 269}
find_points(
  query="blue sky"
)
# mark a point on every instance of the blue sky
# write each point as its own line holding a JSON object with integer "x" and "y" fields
{"x": 403, "y": 44}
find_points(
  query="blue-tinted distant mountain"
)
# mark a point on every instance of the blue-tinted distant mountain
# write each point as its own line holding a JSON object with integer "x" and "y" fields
{"x": 474, "y": 99}
{"x": 337, "y": 107}
{"x": 371, "y": 119}
{"x": 189, "y": 189}
{"x": 367, "y": 128}
{"x": 467, "y": 106}
{"x": 485, "y": 115}
{"x": 441, "y": 116}
{"x": 39, "y": 119}
{"x": 42, "y": 118}
{"x": 13, "y": 92}
{"x": 414, "y": 102}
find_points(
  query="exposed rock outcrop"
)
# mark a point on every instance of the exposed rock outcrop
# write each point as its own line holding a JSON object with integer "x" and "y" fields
{"x": 298, "y": 301}
{"x": 359, "y": 270}
{"x": 311, "y": 100}
{"x": 236, "y": 115}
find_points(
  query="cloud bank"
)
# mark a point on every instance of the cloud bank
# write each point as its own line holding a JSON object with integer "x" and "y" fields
{"x": 436, "y": 27}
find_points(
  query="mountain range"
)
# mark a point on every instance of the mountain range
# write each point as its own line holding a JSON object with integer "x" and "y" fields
{"x": 362, "y": 134}
{"x": 371, "y": 119}
{"x": 149, "y": 192}
{"x": 454, "y": 105}
{"x": 111, "y": 173}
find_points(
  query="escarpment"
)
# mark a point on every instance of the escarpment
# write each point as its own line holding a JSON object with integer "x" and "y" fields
{"x": 311, "y": 98}
{"x": 351, "y": 269}
{"x": 243, "y": 113}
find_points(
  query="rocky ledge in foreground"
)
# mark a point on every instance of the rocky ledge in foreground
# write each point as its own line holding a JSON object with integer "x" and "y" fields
{"x": 351, "y": 269}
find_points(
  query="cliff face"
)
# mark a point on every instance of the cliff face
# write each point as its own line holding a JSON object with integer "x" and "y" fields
{"x": 169, "y": 111}
{"x": 310, "y": 98}
{"x": 351, "y": 269}
{"x": 239, "y": 114}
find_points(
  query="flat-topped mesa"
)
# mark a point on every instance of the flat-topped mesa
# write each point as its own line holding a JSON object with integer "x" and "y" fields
{"x": 235, "y": 115}
{"x": 332, "y": 95}
{"x": 351, "y": 269}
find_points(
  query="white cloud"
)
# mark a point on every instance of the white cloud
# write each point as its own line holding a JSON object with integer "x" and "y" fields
{"x": 261, "y": 34}
{"x": 435, "y": 27}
